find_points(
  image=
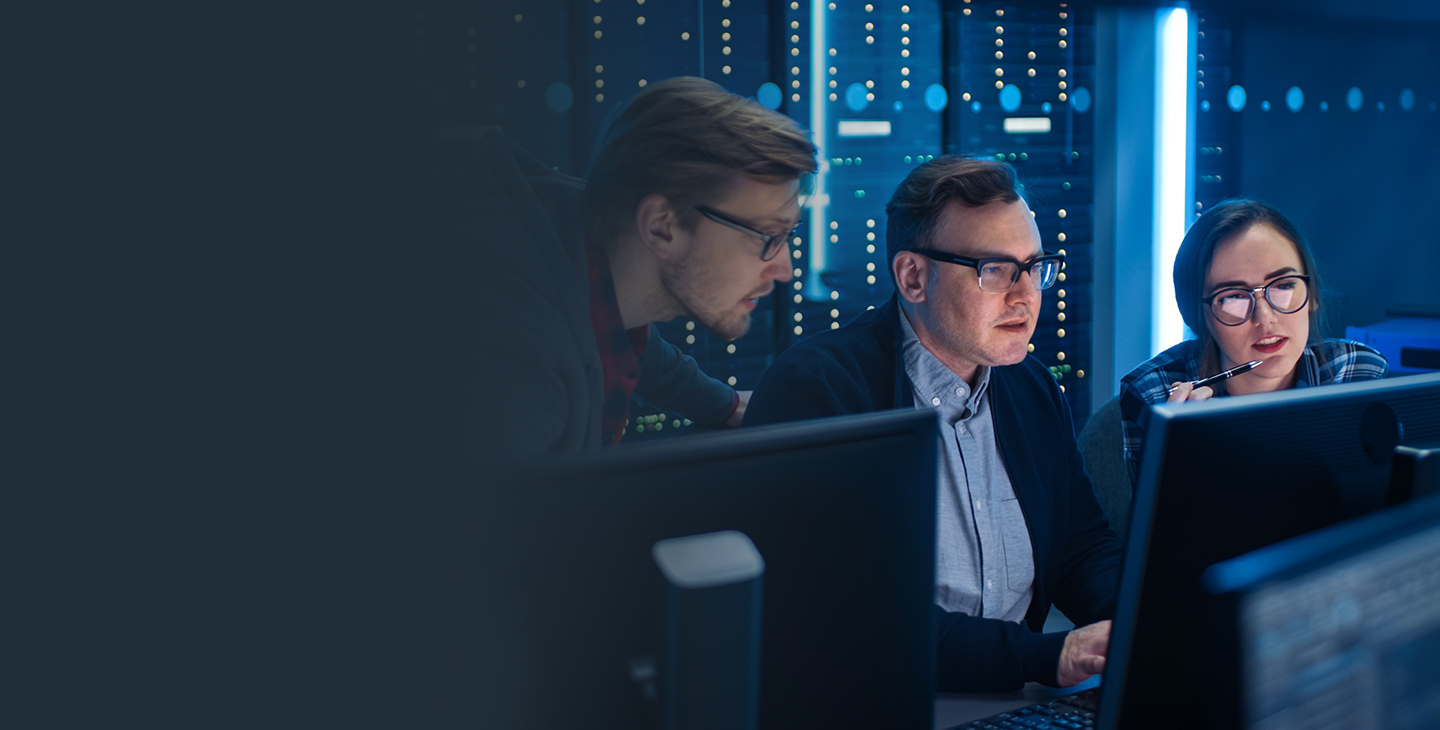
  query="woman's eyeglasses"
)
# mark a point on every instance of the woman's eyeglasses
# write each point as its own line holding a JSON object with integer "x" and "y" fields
{"x": 1286, "y": 295}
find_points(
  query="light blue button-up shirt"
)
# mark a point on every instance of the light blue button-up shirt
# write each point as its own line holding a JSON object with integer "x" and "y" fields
{"x": 984, "y": 563}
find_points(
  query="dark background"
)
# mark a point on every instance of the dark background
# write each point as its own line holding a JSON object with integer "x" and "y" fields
{"x": 235, "y": 463}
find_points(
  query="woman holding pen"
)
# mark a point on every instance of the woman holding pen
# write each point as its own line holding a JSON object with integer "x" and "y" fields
{"x": 1247, "y": 286}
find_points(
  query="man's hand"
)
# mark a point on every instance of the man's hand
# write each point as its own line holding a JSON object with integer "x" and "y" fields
{"x": 1186, "y": 391}
{"x": 739, "y": 415}
{"x": 1084, "y": 654}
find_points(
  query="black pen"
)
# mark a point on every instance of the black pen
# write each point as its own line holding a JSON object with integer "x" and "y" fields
{"x": 1232, "y": 372}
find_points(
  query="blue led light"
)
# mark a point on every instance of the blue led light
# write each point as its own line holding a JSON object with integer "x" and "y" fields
{"x": 769, "y": 95}
{"x": 1264, "y": 106}
{"x": 975, "y": 107}
{"x": 1235, "y": 98}
{"x": 1081, "y": 100}
{"x": 559, "y": 97}
{"x": 1354, "y": 99}
{"x": 1407, "y": 99}
{"x": 1294, "y": 99}
{"x": 1010, "y": 97}
{"x": 936, "y": 97}
{"x": 1205, "y": 105}
{"x": 1046, "y": 108}
{"x": 855, "y": 97}
{"x": 899, "y": 107}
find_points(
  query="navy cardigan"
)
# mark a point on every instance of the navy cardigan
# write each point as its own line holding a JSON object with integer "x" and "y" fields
{"x": 858, "y": 368}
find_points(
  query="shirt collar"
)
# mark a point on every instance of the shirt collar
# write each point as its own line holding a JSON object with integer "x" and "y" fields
{"x": 935, "y": 384}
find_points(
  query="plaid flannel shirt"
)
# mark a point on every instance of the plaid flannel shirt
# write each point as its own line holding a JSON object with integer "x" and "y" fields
{"x": 1322, "y": 363}
{"x": 620, "y": 348}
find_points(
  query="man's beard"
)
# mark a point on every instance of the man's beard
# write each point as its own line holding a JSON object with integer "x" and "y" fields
{"x": 684, "y": 281}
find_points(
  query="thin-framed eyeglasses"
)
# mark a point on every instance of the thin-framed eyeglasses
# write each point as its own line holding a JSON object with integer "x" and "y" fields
{"x": 772, "y": 243}
{"x": 997, "y": 275}
{"x": 1234, "y": 306}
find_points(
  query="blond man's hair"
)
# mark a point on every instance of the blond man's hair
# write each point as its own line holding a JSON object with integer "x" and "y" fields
{"x": 684, "y": 138}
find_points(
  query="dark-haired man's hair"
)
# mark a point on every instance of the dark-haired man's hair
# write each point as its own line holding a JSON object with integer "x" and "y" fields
{"x": 913, "y": 213}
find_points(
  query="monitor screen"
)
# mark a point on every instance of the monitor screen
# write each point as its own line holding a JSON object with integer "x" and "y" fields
{"x": 557, "y": 592}
{"x": 1221, "y": 478}
{"x": 1336, "y": 629}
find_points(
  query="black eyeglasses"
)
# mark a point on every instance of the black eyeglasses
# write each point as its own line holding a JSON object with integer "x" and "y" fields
{"x": 772, "y": 242}
{"x": 1286, "y": 295}
{"x": 999, "y": 274}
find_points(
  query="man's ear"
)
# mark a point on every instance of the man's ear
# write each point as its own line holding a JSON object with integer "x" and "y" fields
{"x": 912, "y": 273}
{"x": 657, "y": 225}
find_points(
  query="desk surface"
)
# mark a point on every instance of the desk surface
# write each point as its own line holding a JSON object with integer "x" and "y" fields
{"x": 952, "y": 709}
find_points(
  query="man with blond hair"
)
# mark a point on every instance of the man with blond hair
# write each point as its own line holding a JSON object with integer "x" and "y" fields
{"x": 688, "y": 210}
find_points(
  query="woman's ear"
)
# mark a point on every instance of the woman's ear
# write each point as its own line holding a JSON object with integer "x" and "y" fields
{"x": 657, "y": 224}
{"x": 912, "y": 273}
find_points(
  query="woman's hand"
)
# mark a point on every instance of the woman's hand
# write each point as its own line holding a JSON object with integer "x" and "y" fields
{"x": 1186, "y": 391}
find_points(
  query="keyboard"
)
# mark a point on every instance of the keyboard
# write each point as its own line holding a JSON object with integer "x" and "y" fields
{"x": 1071, "y": 712}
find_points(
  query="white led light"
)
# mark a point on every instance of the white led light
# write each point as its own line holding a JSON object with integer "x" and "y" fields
{"x": 863, "y": 128}
{"x": 819, "y": 123}
{"x": 1172, "y": 170}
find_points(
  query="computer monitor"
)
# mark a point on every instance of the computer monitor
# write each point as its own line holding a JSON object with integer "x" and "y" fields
{"x": 1221, "y": 478}
{"x": 1336, "y": 629}
{"x": 556, "y": 589}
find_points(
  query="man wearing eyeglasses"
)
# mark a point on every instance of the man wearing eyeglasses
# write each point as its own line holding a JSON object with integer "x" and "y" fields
{"x": 687, "y": 212}
{"x": 1018, "y": 523}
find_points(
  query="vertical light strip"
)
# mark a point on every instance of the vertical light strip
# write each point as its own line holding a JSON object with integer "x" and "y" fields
{"x": 1172, "y": 123}
{"x": 819, "y": 197}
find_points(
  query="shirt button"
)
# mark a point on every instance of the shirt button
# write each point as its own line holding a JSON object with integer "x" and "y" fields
{"x": 960, "y": 392}
{"x": 934, "y": 401}
{"x": 989, "y": 584}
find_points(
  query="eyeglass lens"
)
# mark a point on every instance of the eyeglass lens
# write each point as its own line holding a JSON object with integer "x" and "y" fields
{"x": 1286, "y": 295}
{"x": 999, "y": 276}
{"x": 773, "y": 246}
